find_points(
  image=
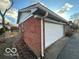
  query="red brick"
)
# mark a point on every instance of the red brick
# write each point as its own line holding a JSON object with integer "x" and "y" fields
{"x": 32, "y": 34}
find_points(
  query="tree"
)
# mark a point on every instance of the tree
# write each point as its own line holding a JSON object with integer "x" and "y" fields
{"x": 74, "y": 16}
{"x": 4, "y": 13}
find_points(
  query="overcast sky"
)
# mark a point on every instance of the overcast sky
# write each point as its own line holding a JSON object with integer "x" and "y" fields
{"x": 64, "y": 8}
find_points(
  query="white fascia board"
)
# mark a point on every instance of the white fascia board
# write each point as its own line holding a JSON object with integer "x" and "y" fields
{"x": 26, "y": 9}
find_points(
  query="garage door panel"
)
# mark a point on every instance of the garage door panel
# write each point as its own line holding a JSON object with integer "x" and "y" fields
{"x": 53, "y": 32}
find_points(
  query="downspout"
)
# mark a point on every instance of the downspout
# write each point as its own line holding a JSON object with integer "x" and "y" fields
{"x": 43, "y": 35}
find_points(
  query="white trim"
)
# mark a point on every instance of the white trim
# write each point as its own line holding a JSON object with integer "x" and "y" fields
{"x": 44, "y": 8}
{"x": 25, "y": 9}
{"x": 42, "y": 42}
{"x": 51, "y": 20}
{"x": 37, "y": 16}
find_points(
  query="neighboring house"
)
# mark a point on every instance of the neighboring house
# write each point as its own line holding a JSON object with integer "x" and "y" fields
{"x": 76, "y": 22}
{"x": 75, "y": 18}
{"x": 14, "y": 29}
{"x": 40, "y": 27}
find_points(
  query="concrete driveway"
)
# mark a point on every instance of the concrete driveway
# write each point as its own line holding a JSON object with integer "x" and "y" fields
{"x": 54, "y": 49}
{"x": 71, "y": 49}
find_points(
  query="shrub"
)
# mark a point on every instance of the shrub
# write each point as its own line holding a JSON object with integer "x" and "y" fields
{"x": 69, "y": 33}
{"x": 3, "y": 30}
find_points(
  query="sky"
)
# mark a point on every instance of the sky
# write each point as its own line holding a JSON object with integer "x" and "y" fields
{"x": 64, "y": 8}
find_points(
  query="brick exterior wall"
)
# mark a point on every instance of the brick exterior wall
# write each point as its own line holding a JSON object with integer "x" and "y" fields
{"x": 31, "y": 32}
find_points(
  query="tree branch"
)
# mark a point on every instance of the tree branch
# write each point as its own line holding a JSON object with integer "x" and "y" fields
{"x": 1, "y": 13}
{"x": 8, "y": 8}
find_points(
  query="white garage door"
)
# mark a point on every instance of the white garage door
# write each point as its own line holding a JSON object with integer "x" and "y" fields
{"x": 53, "y": 32}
